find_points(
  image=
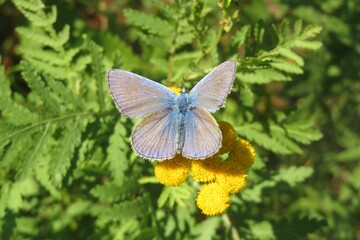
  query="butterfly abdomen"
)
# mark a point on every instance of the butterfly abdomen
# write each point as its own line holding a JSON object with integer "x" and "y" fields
{"x": 183, "y": 105}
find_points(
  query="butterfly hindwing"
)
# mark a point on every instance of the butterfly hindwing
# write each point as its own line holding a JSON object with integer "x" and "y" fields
{"x": 202, "y": 136}
{"x": 155, "y": 137}
{"x": 210, "y": 93}
{"x": 135, "y": 95}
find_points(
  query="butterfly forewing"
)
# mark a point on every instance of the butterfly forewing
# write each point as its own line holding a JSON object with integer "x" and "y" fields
{"x": 155, "y": 137}
{"x": 210, "y": 93}
{"x": 135, "y": 95}
{"x": 202, "y": 135}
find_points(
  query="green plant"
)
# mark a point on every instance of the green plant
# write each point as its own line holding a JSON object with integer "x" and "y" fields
{"x": 67, "y": 169}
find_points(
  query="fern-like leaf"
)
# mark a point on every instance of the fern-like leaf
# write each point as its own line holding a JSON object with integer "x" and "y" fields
{"x": 153, "y": 25}
{"x": 61, "y": 160}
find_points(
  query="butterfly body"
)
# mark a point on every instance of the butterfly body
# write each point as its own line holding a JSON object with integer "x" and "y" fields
{"x": 183, "y": 106}
{"x": 173, "y": 124}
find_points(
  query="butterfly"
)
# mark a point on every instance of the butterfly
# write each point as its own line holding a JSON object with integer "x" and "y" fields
{"x": 173, "y": 124}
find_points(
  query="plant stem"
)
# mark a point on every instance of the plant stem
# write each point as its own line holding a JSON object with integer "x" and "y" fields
{"x": 227, "y": 222}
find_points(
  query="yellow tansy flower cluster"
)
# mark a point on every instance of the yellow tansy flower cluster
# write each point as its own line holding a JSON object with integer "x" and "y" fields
{"x": 220, "y": 177}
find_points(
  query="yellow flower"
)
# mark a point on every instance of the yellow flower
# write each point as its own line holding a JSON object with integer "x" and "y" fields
{"x": 232, "y": 181}
{"x": 174, "y": 171}
{"x": 243, "y": 154}
{"x": 175, "y": 90}
{"x": 228, "y": 135}
{"x": 222, "y": 177}
{"x": 213, "y": 199}
{"x": 205, "y": 170}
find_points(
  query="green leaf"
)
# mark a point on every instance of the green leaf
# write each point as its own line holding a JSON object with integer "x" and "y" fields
{"x": 117, "y": 153}
{"x": 114, "y": 191}
{"x": 110, "y": 42}
{"x": 12, "y": 112}
{"x": 348, "y": 155}
{"x": 303, "y": 132}
{"x": 122, "y": 212}
{"x": 291, "y": 56}
{"x": 63, "y": 35}
{"x": 36, "y": 83}
{"x": 175, "y": 195}
{"x": 280, "y": 134}
{"x": 261, "y": 230}
{"x": 153, "y": 25}
{"x": 262, "y": 76}
{"x": 99, "y": 71}
{"x": 31, "y": 161}
{"x": 294, "y": 175}
{"x": 39, "y": 37}
{"x": 64, "y": 151}
{"x": 242, "y": 35}
{"x": 287, "y": 66}
{"x": 13, "y": 194}
{"x": 255, "y": 132}
{"x": 206, "y": 230}
{"x": 297, "y": 228}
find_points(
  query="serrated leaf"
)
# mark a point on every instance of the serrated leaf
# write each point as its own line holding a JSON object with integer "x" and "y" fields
{"x": 36, "y": 83}
{"x": 291, "y": 55}
{"x": 241, "y": 35}
{"x": 32, "y": 5}
{"x": 298, "y": 27}
{"x": 262, "y": 76}
{"x": 12, "y": 112}
{"x": 313, "y": 45}
{"x": 31, "y": 160}
{"x": 206, "y": 230}
{"x": 288, "y": 67}
{"x": 65, "y": 95}
{"x": 261, "y": 230}
{"x": 294, "y": 175}
{"x": 113, "y": 192}
{"x": 57, "y": 72}
{"x": 81, "y": 62}
{"x": 63, "y": 35}
{"x": 303, "y": 132}
{"x": 12, "y": 195}
{"x": 38, "y": 37}
{"x": 48, "y": 56}
{"x": 98, "y": 70}
{"x": 117, "y": 153}
{"x": 311, "y": 31}
{"x": 110, "y": 42}
{"x": 281, "y": 136}
{"x": 64, "y": 151}
{"x": 123, "y": 211}
{"x": 255, "y": 132}
{"x": 254, "y": 194}
{"x": 153, "y": 25}
{"x": 174, "y": 195}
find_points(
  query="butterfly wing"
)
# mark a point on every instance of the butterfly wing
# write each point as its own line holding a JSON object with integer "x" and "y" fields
{"x": 210, "y": 93}
{"x": 155, "y": 137}
{"x": 202, "y": 134}
{"x": 135, "y": 95}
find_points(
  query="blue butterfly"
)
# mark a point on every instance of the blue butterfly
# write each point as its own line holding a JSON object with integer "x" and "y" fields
{"x": 173, "y": 124}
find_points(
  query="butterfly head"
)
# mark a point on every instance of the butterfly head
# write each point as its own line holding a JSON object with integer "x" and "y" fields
{"x": 183, "y": 90}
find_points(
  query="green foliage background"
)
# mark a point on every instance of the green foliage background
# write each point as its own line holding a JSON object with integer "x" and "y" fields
{"x": 66, "y": 167}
